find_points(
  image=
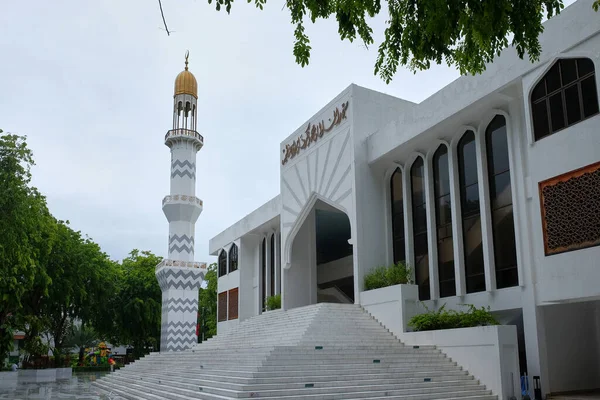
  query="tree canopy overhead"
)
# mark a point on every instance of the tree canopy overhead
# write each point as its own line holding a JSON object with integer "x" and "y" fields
{"x": 466, "y": 34}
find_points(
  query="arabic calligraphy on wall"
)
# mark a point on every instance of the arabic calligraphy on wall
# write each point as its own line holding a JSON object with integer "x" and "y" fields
{"x": 313, "y": 133}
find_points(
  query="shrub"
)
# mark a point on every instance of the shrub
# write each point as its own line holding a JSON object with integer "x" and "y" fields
{"x": 273, "y": 302}
{"x": 451, "y": 319}
{"x": 395, "y": 274}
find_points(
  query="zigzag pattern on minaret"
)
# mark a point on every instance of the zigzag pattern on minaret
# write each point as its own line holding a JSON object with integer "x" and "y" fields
{"x": 181, "y": 249}
{"x": 183, "y": 168}
{"x": 181, "y": 238}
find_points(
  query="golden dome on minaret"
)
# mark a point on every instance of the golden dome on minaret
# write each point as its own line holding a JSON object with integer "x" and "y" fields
{"x": 185, "y": 83}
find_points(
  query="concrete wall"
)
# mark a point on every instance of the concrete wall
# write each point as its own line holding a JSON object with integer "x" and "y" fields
{"x": 573, "y": 274}
{"x": 323, "y": 171}
{"x": 489, "y": 353}
{"x": 372, "y": 110}
{"x": 300, "y": 278}
{"x": 573, "y": 346}
{"x": 392, "y": 306}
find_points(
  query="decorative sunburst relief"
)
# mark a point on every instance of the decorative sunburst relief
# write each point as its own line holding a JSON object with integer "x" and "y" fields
{"x": 324, "y": 173}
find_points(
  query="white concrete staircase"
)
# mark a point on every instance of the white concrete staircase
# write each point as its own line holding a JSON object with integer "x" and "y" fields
{"x": 324, "y": 351}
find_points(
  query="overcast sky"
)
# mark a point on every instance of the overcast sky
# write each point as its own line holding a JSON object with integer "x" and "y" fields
{"x": 91, "y": 85}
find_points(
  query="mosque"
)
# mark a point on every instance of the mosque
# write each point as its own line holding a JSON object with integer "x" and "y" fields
{"x": 489, "y": 190}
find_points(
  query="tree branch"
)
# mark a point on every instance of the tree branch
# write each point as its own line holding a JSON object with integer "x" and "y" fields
{"x": 163, "y": 18}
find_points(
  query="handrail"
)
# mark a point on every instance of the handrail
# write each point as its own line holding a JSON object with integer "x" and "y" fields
{"x": 184, "y": 132}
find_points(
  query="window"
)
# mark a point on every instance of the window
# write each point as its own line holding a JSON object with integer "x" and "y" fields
{"x": 503, "y": 225}
{"x": 233, "y": 304}
{"x": 233, "y": 258}
{"x": 417, "y": 181}
{"x": 470, "y": 213}
{"x": 443, "y": 222}
{"x": 263, "y": 288}
{"x": 222, "y": 307}
{"x": 397, "y": 199}
{"x": 566, "y": 95}
{"x": 570, "y": 205}
{"x": 272, "y": 264}
{"x": 222, "y": 263}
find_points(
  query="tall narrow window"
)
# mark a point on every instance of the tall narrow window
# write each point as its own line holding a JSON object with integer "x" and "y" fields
{"x": 397, "y": 216}
{"x": 222, "y": 263}
{"x": 417, "y": 173}
{"x": 443, "y": 222}
{"x": 503, "y": 225}
{"x": 272, "y": 264}
{"x": 471, "y": 217}
{"x": 233, "y": 258}
{"x": 566, "y": 95}
{"x": 263, "y": 287}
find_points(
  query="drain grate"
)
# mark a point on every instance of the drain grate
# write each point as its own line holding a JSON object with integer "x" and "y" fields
{"x": 318, "y": 347}
{"x": 376, "y": 361}
{"x": 309, "y": 385}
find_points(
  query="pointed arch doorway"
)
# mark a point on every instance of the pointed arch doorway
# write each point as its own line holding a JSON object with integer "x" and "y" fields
{"x": 321, "y": 268}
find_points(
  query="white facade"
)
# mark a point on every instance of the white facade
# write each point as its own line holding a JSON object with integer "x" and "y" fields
{"x": 361, "y": 138}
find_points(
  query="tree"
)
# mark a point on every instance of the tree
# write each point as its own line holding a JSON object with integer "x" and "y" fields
{"x": 208, "y": 303}
{"x": 27, "y": 234}
{"x": 80, "y": 337}
{"x": 137, "y": 305}
{"x": 465, "y": 34}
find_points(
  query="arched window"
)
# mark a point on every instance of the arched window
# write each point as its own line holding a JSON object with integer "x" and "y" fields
{"x": 233, "y": 258}
{"x": 503, "y": 226}
{"x": 564, "y": 96}
{"x": 443, "y": 222}
{"x": 417, "y": 173}
{"x": 222, "y": 263}
{"x": 263, "y": 289}
{"x": 272, "y": 264}
{"x": 397, "y": 199}
{"x": 470, "y": 213}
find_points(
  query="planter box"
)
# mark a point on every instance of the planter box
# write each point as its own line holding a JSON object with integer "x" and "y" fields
{"x": 64, "y": 373}
{"x": 489, "y": 353}
{"x": 37, "y": 375}
{"x": 44, "y": 375}
{"x": 393, "y": 306}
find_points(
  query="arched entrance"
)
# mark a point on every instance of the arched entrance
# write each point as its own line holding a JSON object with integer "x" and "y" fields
{"x": 321, "y": 260}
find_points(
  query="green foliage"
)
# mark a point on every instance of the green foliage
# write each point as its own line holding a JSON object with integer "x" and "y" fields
{"x": 596, "y": 5}
{"x": 27, "y": 234}
{"x": 273, "y": 302}
{"x": 395, "y": 274}
{"x": 208, "y": 302}
{"x": 465, "y": 35}
{"x": 135, "y": 309}
{"x": 451, "y": 319}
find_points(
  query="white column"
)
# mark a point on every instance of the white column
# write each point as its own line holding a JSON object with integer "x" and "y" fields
{"x": 408, "y": 223}
{"x": 278, "y": 271}
{"x": 457, "y": 228}
{"x": 268, "y": 269}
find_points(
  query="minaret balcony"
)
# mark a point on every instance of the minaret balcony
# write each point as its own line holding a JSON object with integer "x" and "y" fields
{"x": 180, "y": 134}
{"x": 180, "y": 207}
{"x": 182, "y": 264}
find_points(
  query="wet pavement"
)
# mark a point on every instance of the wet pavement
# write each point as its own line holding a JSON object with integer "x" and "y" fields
{"x": 78, "y": 387}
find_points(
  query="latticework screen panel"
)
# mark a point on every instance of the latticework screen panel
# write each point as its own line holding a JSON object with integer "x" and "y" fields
{"x": 570, "y": 206}
{"x": 222, "y": 307}
{"x": 233, "y": 303}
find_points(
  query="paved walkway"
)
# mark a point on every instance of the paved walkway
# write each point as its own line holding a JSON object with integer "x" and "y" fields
{"x": 78, "y": 387}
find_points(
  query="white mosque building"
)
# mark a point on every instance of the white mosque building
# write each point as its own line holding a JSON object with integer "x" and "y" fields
{"x": 489, "y": 190}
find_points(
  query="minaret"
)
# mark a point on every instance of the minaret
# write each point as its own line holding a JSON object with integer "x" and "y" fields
{"x": 179, "y": 276}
